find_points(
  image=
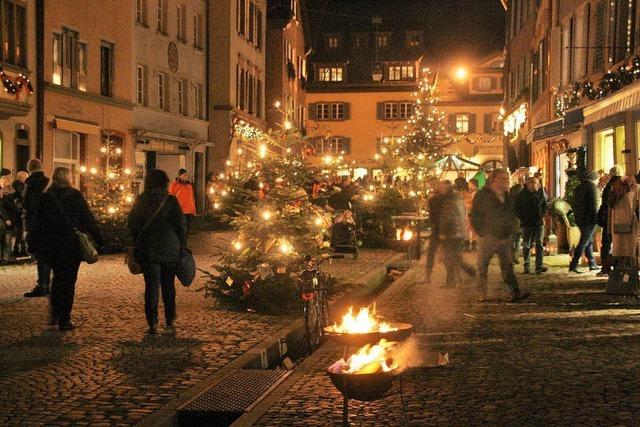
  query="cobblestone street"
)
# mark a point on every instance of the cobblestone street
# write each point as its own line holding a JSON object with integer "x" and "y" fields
{"x": 568, "y": 355}
{"x": 106, "y": 372}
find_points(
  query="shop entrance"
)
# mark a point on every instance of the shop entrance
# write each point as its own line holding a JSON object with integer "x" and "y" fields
{"x": 170, "y": 163}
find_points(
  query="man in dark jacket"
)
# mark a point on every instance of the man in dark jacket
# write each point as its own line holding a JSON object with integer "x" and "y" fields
{"x": 586, "y": 202}
{"x": 603, "y": 216}
{"x": 530, "y": 206}
{"x": 35, "y": 186}
{"x": 494, "y": 220}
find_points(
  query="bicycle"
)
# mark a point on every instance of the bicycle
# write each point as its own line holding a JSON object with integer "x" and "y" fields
{"x": 314, "y": 286}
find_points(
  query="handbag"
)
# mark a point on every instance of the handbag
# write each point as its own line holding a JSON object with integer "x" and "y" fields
{"x": 186, "y": 270}
{"x": 88, "y": 251}
{"x": 130, "y": 257}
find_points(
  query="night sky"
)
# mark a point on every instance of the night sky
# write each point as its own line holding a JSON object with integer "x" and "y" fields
{"x": 461, "y": 28}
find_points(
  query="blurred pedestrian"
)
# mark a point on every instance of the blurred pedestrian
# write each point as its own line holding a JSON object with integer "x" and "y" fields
{"x": 530, "y": 207}
{"x": 7, "y": 214}
{"x": 20, "y": 245}
{"x": 494, "y": 220}
{"x": 62, "y": 209}
{"x": 586, "y": 198}
{"x": 471, "y": 241}
{"x": 35, "y": 186}
{"x": 624, "y": 203}
{"x": 158, "y": 228}
{"x": 452, "y": 230}
{"x": 182, "y": 189}
{"x": 519, "y": 178}
{"x": 603, "y": 221}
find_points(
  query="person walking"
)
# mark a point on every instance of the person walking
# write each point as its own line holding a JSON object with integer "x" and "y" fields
{"x": 494, "y": 220}
{"x": 159, "y": 232}
{"x": 471, "y": 241}
{"x": 603, "y": 221}
{"x": 7, "y": 214}
{"x": 434, "y": 206}
{"x": 530, "y": 207}
{"x": 182, "y": 189}
{"x": 34, "y": 187}
{"x": 519, "y": 178}
{"x": 19, "y": 246}
{"x": 585, "y": 210}
{"x": 452, "y": 227}
{"x": 624, "y": 203}
{"x": 61, "y": 210}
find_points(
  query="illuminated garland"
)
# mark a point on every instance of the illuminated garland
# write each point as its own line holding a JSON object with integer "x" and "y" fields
{"x": 14, "y": 86}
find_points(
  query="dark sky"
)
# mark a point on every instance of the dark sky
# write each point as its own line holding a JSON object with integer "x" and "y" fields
{"x": 452, "y": 27}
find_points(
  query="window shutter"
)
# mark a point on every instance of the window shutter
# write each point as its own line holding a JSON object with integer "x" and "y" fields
{"x": 346, "y": 108}
{"x": 452, "y": 122}
{"x": 346, "y": 145}
{"x": 476, "y": 84}
{"x": 487, "y": 123}
{"x": 313, "y": 115}
{"x": 472, "y": 123}
{"x": 598, "y": 55}
{"x": 380, "y": 111}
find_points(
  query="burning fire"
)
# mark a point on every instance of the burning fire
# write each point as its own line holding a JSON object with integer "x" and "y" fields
{"x": 364, "y": 322}
{"x": 369, "y": 360}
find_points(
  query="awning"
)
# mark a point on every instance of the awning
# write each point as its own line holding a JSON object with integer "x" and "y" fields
{"x": 77, "y": 126}
{"x": 623, "y": 100}
{"x": 143, "y": 134}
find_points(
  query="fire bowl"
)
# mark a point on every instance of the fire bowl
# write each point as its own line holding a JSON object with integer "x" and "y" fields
{"x": 365, "y": 387}
{"x": 402, "y": 332}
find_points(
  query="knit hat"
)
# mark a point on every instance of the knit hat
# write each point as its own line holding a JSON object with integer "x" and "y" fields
{"x": 181, "y": 171}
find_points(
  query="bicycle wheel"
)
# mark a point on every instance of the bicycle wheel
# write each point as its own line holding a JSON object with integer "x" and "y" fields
{"x": 313, "y": 324}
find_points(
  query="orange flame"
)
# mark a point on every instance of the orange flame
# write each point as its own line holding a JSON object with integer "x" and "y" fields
{"x": 368, "y": 360}
{"x": 364, "y": 322}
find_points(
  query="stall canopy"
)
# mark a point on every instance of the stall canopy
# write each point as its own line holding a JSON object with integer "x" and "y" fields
{"x": 453, "y": 163}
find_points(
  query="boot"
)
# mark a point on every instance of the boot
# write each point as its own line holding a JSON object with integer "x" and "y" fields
{"x": 38, "y": 291}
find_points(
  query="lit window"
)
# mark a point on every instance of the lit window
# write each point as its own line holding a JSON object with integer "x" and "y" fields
{"x": 330, "y": 74}
{"x": 382, "y": 40}
{"x": 66, "y": 151}
{"x": 69, "y": 60}
{"x": 394, "y": 73}
{"x": 462, "y": 123}
{"x": 13, "y": 32}
{"x": 332, "y": 42}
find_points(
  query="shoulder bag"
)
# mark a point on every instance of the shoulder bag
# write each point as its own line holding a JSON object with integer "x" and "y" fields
{"x": 88, "y": 251}
{"x": 134, "y": 266}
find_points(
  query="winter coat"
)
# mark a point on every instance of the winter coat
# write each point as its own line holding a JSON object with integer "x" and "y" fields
{"x": 451, "y": 216}
{"x": 184, "y": 193}
{"x": 35, "y": 185}
{"x": 624, "y": 212}
{"x": 53, "y": 236}
{"x": 530, "y": 208}
{"x": 603, "y": 211}
{"x": 167, "y": 233}
{"x": 490, "y": 216}
{"x": 586, "y": 198}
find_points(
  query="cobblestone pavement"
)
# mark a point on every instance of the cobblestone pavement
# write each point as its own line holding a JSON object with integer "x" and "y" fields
{"x": 106, "y": 372}
{"x": 566, "y": 356}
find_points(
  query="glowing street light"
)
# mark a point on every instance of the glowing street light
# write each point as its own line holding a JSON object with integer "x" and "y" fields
{"x": 461, "y": 73}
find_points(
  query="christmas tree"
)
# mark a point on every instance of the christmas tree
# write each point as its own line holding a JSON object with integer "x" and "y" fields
{"x": 277, "y": 227}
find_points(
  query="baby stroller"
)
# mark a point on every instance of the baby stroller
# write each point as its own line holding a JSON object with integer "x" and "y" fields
{"x": 343, "y": 234}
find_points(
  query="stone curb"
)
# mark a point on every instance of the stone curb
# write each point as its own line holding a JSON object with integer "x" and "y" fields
{"x": 249, "y": 418}
{"x": 265, "y": 353}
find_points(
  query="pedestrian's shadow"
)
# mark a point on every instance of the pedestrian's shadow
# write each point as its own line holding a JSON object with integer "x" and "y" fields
{"x": 154, "y": 359}
{"x": 34, "y": 352}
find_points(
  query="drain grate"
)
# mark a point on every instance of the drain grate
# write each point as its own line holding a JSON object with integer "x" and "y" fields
{"x": 237, "y": 393}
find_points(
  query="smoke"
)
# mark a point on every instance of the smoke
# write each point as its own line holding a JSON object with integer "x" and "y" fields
{"x": 408, "y": 354}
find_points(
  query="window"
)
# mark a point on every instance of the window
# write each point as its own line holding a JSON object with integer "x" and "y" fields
{"x": 567, "y": 53}
{"x": 181, "y": 23}
{"x": 241, "y": 18}
{"x": 621, "y": 29}
{"x": 251, "y": 94}
{"x": 197, "y": 31}
{"x": 141, "y": 85}
{"x": 141, "y": 12}
{"x": 162, "y": 92}
{"x": 608, "y": 148}
{"x": 359, "y": 41}
{"x": 331, "y": 110}
{"x": 252, "y": 22}
{"x": 259, "y": 98}
{"x": 106, "y": 69}
{"x": 161, "y": 26}
{"x": 390, "y": 110}
{"x": 335, "y": 145}
{"x": 462, "y": 123}
{"x": 332, "y": 42}
{"x": 13, "y": 33}
{"x": 405, "y": 110}
{"x": 414, "y": 39}
{"x": 66, "y": 151}
{"x": 382, "y": 40}
{"x": 394, "y": 73}
{"x": 259, "y": 29}
{"x": 197, "y": 98}
{"x": 181, "y": 87}
{"x": 69, "y": 60}
{"x": 330, "y": 74}
{"x": 400, "y": 72}
{"x": 484, "y": 84}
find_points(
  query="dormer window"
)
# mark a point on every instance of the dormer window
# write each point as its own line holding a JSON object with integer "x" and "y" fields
{"x": 400, "y": 72}
{"x": 330, "y": 74}
{"x": 414, "y": 38}
{"x": 359, "y": 41}
{"x": 382, "y": 39}
{"x": 333, "y": 42}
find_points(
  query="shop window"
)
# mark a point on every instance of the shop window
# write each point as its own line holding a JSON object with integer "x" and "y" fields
{"x": 66, "y": 151}
{"x": 608, "y": 148}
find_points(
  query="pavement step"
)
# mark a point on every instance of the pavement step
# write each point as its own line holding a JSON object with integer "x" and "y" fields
{"x": 236, "y": 394}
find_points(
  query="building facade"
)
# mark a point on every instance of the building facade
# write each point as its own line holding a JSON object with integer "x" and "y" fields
{"x": 170, "y": 127}
{"x": 18, "y": 132}
{"x": 571, "y": 86}
{"x": 237, "y": 47}
{"x": 286, "y": 64}
{"x": 87, "y": 83}
{"x": 362, "y": 92}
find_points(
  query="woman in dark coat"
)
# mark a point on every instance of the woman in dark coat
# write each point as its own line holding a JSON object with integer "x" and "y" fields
{"x": 61, "y": 208}
{"x": 158, "y": 242}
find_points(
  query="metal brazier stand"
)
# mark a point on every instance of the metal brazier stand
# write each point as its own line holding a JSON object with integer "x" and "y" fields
{"x": 365, "y": 387}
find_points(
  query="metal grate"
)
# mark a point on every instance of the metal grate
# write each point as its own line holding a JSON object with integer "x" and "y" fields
{"x": 238, "y": 392}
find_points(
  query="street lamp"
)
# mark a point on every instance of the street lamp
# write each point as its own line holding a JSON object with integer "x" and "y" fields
{"x": 461, "y": 73}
